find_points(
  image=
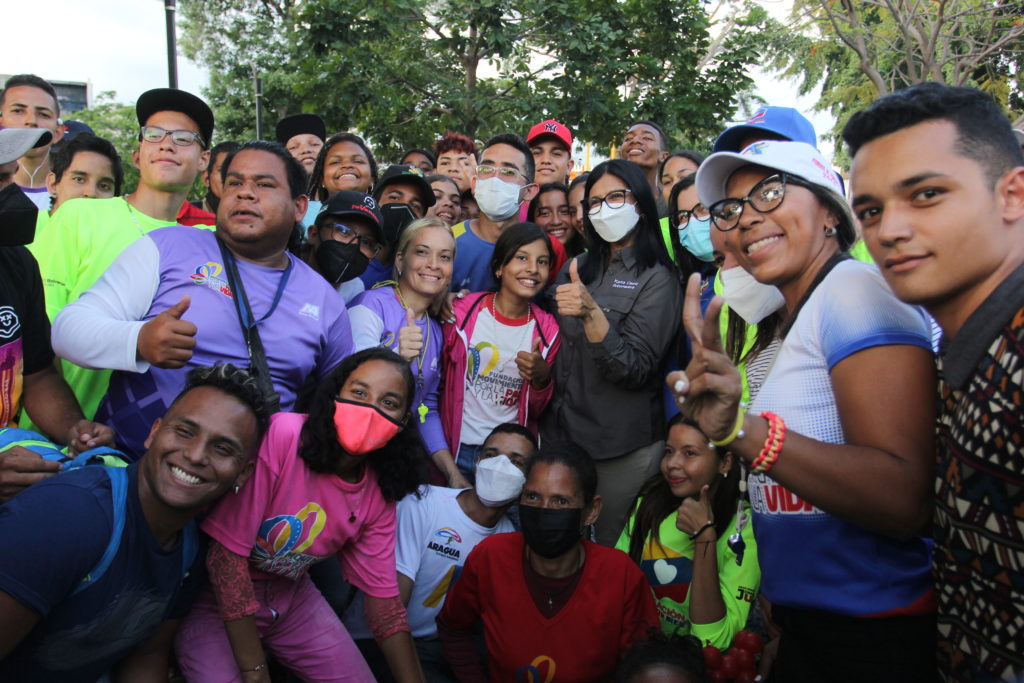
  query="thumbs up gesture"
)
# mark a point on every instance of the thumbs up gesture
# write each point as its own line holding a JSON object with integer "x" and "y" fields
{"x": 167, "y": 341}
{"x": 694, "y": 513}
{"x": 532, "y": 366}
{"x": 410, "y": 337}
{"x": 573, "y": 299}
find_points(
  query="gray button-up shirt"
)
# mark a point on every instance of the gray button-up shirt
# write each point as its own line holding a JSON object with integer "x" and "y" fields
{"x": 608, "y": 395}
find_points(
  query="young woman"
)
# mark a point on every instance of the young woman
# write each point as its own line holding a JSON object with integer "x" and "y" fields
{"x": 691, "y": 225}
{"x": 447, "y": 199}
{"x": 325, "y": 485}
{"x": 617, "y": 306}
{"x": 553, "y": 606}
{"x": 396, "y": 315}
{"x": 576, "y": 189}
{"x": 344, "y": 163}
{"x": 685, "y": 534}
{"x": 550, "y": 210}
{"x": 499, "y": 350}
{"x": 840, "y": 437}
{"x": 677, "y": 166}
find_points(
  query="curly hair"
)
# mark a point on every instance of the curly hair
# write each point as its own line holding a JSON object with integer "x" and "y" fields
{"x": 683, "y": 653}
{"x": 399, "y": 464}
{"x": 234, "y": 382}
{"x": 455, "y": 141}
{"x": 316, "y": 189}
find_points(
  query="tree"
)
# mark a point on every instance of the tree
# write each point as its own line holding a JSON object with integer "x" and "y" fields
{"x": 404, "y": 71}
{"x": 859, "y": 50}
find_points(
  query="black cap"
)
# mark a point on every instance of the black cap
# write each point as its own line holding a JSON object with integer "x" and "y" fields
{"x": 172, "y": 99}
{"x": 351, "y": 203}
{"x": 403, "y": 173}
{"x": 300, "y": 124}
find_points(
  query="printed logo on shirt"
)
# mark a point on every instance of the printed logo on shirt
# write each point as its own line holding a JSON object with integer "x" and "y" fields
{"x": 208, "y": 275}
{"x": 667, "y": 570}
{"x": 9, "y": 323}
{"x": 624, "y": 284}
{"x": 475, "y": 367}
{"x": 282, "y": 538}
{"x": 433, "y": 601}
{"x": 769, "y": 498}
{"x": 310, "y": 311}
{"x": 540, "y": 670}
{"x": 387, "y": 339}
{"x": 441, "y": 544}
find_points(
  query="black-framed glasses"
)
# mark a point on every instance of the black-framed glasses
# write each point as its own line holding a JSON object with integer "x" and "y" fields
{"x": 506, "y": 173}
{"x": 349, "y": 235}
{"x": 614, "y": 199}
{"x": 681, "y": 218}
{"x": 182, "y": 138}
{"x": 764, "y": 197}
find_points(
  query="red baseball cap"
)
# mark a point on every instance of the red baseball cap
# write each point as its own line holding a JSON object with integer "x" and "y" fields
{"x": 552, "y": 128}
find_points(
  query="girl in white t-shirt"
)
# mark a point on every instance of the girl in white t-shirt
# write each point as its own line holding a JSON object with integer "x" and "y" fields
{"x": 499, "y": 350}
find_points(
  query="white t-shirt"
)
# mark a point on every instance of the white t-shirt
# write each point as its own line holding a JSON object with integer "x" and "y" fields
{"x": 434, "y": 538}
{"x": 493, "y": 383}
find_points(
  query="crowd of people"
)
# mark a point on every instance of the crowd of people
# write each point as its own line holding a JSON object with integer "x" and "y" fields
{"x": 476, "y": 415}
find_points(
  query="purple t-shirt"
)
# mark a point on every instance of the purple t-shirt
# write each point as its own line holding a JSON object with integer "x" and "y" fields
{"x": 377, "y": 316}
{"x": 307, "y": 334}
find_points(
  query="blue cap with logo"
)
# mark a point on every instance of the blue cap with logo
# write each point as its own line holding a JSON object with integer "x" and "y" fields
{"x": 784, "y": 122}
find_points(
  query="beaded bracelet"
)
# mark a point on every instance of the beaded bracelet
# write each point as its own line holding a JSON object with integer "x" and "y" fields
{"x": 737, "y": 430}
{"x": 772, "y": 445}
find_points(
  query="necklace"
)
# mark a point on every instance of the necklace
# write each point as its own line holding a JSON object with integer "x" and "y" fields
{"x": 492, "y": 306}
{"x": 131, "y": 212}
{"x": 32, "y": 175}
{"x": 569, "y": 585}
{"x": 421, "y": 409}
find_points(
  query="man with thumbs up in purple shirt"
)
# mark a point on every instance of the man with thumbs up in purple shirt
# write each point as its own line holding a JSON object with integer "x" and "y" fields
{"x": 179, "y": 298}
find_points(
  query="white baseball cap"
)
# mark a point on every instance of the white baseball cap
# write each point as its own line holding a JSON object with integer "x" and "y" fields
{"x": 797, "y": 159}
{"x": 14, "y": 142}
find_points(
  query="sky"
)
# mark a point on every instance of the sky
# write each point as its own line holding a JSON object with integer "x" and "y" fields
{"x": 120, "y": 45}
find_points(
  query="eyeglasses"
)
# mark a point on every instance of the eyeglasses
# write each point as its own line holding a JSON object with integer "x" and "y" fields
{"x": 505, "y": 173}
{"x": 764, "y": 197}
{"x": 614, "y": 199}
{"x": 681, "y": 218}
{"x": 182, "y": 138}
{"x": 349, "y": 235}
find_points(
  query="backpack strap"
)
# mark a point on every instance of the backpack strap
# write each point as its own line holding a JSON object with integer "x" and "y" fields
{"x": 119, "y": 496}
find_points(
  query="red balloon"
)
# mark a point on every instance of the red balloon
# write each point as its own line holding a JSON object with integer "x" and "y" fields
{"x": 744, "y": 657}
{"x": 712, "y": 658}
{"x": 749, "y": 641}
{"x": 730, "y": 666}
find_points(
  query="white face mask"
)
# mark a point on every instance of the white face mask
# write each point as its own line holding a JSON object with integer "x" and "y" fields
{"x": 612, "y": 225}
{"x": 497, "y": 199}
{"x": 498, "y": 481}
{"x": 752, "y": 300}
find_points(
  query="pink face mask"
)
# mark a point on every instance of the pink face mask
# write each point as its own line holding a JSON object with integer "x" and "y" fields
{"x": 362, "y": 428}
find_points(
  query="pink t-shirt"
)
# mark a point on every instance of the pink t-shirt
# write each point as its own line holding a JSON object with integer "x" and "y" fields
{"x": 288, "y": 517}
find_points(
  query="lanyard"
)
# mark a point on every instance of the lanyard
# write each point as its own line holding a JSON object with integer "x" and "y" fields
{"x": 241, "y": 300}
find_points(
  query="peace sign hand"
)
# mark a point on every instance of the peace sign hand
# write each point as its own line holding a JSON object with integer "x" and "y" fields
{"x": 709, "y": 391}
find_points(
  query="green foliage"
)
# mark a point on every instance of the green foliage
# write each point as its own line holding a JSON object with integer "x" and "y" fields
{"x": 859, "y": 50}
{"x": 402, "y": 72}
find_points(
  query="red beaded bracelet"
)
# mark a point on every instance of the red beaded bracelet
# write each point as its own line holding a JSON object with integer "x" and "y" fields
{"x": 772, "y": 445}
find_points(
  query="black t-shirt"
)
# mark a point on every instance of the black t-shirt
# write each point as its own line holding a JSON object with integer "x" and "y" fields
{"x": 24, "y": 328}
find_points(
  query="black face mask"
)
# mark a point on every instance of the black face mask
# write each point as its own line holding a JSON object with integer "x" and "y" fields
{"x": 17, "y": 217}
{"x": 340, "y": 262}
{"x": 551, "y": 532}
{"x": 397, "y": 218}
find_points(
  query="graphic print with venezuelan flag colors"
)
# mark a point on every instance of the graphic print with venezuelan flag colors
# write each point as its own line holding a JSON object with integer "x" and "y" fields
{"x": 540, "y": 670}
{"x": 669, "y": 574}
{"x": 475, "y": 367}
{"x": 282, "y": 538}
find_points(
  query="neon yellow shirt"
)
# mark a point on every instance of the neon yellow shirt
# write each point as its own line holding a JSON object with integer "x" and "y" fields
{"x": 80, "y": 241}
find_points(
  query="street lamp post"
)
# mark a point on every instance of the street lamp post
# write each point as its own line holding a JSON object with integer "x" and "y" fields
{"x": 172, "y": 52}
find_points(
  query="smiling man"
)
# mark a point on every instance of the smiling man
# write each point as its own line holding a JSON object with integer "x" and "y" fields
{"x": 83, "y": 238}
{"x": 646, "y": 146}
{"x": 938, "y": 188}
{"x": 65, "y": 617}
{"x": 28, "y": 101}
{"x": 168, "y": 302}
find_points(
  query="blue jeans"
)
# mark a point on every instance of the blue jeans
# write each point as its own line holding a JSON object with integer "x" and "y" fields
{"x": 466, "y": 460}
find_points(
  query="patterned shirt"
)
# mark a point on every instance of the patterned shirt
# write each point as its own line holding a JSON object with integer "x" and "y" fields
{"x": 979, "y": 507}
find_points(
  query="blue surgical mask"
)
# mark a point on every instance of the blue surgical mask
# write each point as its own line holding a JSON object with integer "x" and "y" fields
{"x": 696, "y": 238}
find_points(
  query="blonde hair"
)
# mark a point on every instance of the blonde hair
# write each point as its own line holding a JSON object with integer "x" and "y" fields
{"x": 405, "y": 239}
